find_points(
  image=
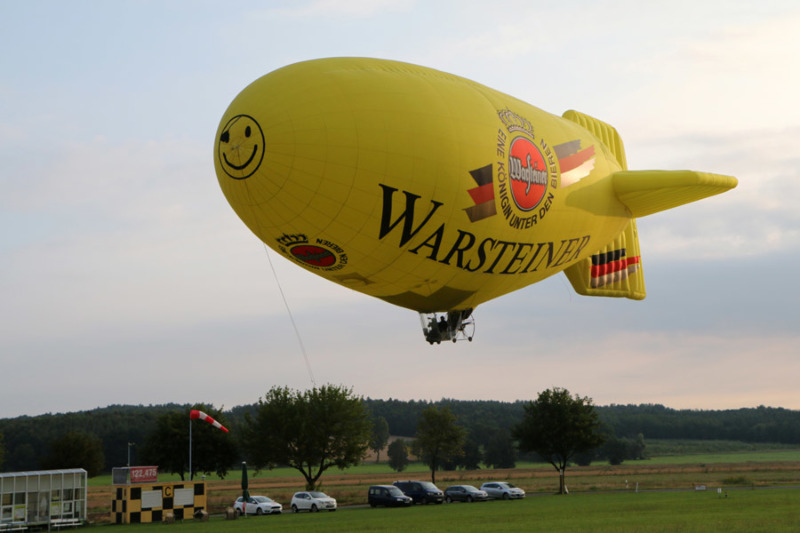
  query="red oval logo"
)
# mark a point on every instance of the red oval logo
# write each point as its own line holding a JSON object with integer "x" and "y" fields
{"x": 527, "y": 172}
{"x": 313, "y": 255}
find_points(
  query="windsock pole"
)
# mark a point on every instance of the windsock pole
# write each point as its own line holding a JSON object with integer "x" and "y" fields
{"x": 194, "y": 413}
{"x": 190, "y": 449}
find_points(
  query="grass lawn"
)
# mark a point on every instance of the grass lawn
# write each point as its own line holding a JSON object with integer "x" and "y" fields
{"x": 419, "y": 470}
{"x": 772, "y": 510}
{"x": 604, "y": 492}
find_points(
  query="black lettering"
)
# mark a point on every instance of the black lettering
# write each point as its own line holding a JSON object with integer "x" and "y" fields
{"x": 581, "y": 246}
{"x": 481, "y": 255}
{"x": 458, "y": 248}
{"x": 519, "y": 256}
{"x": 505, "y": 204}
{"x": 549, "y": 255}
{"x": 501, "y": 139}
{"x": 406, "y": 216}
{"x": 556, "y": 254}
{"x": 433, "y": 242}
{"x": 567, "y": 249}
{"x": 503, "y": 247}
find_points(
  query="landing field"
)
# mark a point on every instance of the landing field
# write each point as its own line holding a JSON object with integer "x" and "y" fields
{"x": 754, "y": 490}
{"x": 742, "y": 510}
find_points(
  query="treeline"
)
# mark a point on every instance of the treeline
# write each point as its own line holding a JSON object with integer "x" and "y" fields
{"x": 25, "y": 441}
{"x": 759, "y": 424}
{"x": 28, "y": 440}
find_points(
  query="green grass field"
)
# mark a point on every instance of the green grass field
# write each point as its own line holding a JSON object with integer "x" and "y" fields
{"x": 760, "y": 491}
{"x": 771, "y": 510}
{"x": 757, "y": 455}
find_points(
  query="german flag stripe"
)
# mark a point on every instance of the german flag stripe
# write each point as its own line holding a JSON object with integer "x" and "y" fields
{"x": 481, "y": 211}
{"x": 575, "y": 160}
{"x": 482, "y": 175}
{"x": 481, "y": 194}
{"x": 613, "y": 266}
{"x": 608, "y": 257}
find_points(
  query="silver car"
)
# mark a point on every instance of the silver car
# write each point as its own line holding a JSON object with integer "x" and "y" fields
{"x": 464, "y": 493}
{"x": 312, "y": 501}
{"x": 503, "y": 490}
{"x": 258, "y": 505}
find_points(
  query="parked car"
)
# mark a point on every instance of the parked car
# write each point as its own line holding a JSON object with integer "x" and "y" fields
{"x": 257, "y": 505}
{"x": 312, "y": 501}
{"x": 388, "y": 495}
{"x": 503, "y": 490}
{"x": 464, "y": 493}
{"x": 420, "y": 491}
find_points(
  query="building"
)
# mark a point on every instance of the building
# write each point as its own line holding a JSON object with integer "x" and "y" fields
{"x": 45, "y": 497}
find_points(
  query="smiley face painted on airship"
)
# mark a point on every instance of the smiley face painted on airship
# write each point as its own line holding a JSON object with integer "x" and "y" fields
{"x": 241, "y": 147}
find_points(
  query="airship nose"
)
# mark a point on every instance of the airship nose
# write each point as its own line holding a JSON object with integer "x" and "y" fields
{"x": 287, "y": 146}
{"x": 241, "y": 147}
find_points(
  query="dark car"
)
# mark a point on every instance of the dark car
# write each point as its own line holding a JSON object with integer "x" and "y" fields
{"x": 464, "y": 493}
{"x": 388, "y": 495}
{"x": 421, "y": 491}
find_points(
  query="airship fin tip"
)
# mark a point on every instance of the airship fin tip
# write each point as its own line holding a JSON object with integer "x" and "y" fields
{"x": 607, "y": 134}
{"x": 615, "y": 270}
{"x": 645, "y": 192}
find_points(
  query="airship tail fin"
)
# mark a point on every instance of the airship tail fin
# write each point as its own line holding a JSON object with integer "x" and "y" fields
{"x": 645, "y": 192}
{"x": 615, "y": 270}
{"x": 607, "y": 134}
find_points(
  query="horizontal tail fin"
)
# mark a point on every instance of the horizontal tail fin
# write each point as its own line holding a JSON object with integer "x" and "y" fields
{"x": 645, "y": 192}
{"x": 615, "y": 270}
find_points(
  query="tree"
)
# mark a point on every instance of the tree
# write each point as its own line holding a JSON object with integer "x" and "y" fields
{"x": 618, "y": 449}
{"x": 22, "y": 458}
{"x": 168, "y": 444}
{"x": 438, "y": 437}
{"x": 2, "y": 452}
{"x": 500, "y": 452}
{"x": 309, "y": 431}
{"x": 380, "y": 436}
{"x": 76, "y": 450}
{"x": 557, "y": 427}
{"x": 398, "y": 455}
{"x": 472, "y": 457}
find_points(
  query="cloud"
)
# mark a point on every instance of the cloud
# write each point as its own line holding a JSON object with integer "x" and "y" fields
{"x": 732, "y": 76}
{"x": 759, "y": 216}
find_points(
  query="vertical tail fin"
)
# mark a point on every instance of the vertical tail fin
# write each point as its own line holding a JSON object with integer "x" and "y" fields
{"x": 607, "y": 134}
{"x": 615, "y": 270}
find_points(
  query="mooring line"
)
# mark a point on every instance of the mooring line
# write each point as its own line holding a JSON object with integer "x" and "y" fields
{"x": 291, "y": 319}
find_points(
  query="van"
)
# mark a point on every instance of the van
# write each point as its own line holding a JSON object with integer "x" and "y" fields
{"x": 387, "y": 495}
{"x": 421, "y": 491}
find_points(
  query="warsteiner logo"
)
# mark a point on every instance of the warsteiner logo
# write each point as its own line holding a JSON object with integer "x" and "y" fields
{"x": 527, "y": 172}
{"x": 319, "y": 255}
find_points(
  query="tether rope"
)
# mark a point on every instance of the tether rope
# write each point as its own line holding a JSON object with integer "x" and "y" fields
{"x": 291, "y": 318}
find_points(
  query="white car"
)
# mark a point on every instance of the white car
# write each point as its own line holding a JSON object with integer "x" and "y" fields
{"x": 257, "y": 505}
{"x": 503, "y": 490}
{"x": 312, "y": 501}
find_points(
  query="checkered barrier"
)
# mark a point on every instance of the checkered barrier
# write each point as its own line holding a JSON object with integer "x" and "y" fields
{"x": 142, "y": 504}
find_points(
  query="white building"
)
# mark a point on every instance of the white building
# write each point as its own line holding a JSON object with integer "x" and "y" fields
{"x": 56, "y": 497}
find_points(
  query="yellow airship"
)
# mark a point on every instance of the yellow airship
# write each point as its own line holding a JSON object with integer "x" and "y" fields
{"x": 433, "y": 192}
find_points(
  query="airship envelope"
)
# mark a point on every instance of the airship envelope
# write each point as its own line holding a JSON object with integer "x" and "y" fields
{"x": 433, "y": 192}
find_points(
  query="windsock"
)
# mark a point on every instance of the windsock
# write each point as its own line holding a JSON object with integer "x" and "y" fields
{"x": 195, "y": 414}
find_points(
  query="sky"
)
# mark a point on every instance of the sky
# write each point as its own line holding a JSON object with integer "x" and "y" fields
{"x": 126, "y": 278}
